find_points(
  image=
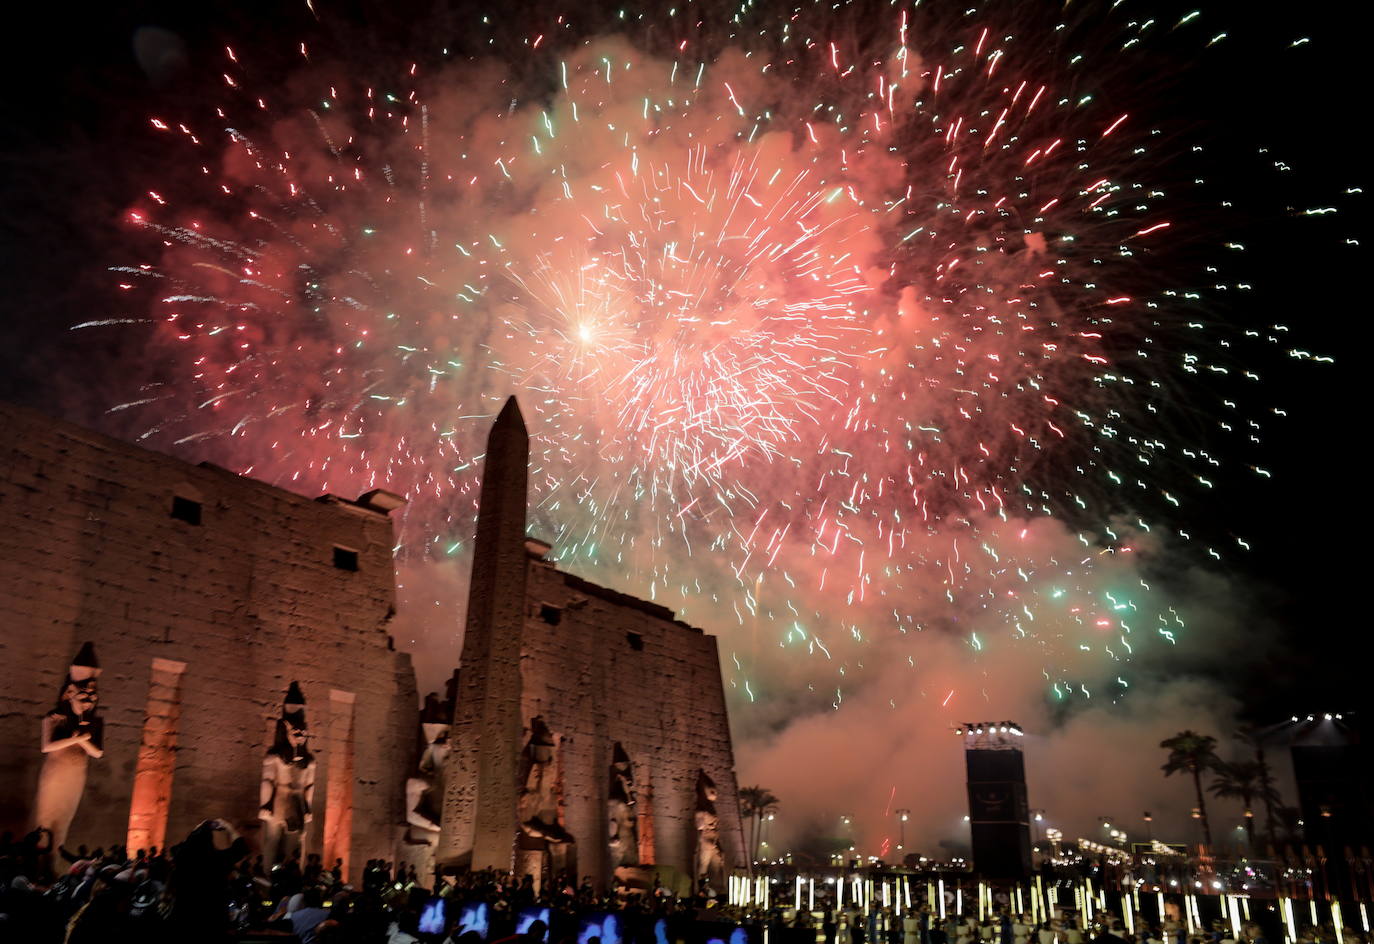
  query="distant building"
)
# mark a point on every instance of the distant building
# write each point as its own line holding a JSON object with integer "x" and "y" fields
{"x": 590, "y": 733}
{"x": 205, "y": 595}
{"x": 999, "y": 813}
{"x": 1334, "y": 770}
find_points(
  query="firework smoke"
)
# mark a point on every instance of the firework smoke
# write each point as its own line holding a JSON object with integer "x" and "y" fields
{"x": 853, "y": 338}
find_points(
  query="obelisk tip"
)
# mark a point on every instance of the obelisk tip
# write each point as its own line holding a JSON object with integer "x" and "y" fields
{"x": 510, "y": 416}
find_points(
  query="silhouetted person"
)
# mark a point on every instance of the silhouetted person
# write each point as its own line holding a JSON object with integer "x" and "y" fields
{"x": 200, "y": 881}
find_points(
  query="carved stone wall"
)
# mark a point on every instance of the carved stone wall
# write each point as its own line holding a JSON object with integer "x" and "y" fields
{"x": 600, "y": 667}
{"x": 614, "y": 668}
{"x": 98, "y": 541}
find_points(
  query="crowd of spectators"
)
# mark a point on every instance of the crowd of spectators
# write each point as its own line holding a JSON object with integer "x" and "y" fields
{"x": 210, "y": 889}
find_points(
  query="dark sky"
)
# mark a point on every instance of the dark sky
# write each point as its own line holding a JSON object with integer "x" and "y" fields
{"x": 73, "y": 145}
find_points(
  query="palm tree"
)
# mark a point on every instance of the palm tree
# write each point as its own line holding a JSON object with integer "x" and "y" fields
{"x": 756, "y": 803}
{"x": 1194, "y": 753}
{"x": 1269, "y": 792}
{"x": 1242, "y": 780}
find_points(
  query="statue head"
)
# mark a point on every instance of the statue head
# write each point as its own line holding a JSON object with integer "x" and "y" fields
{"x": 295, "y": 734}
{"x": 292, "y": 736}
{"x": 706, "y": 788}
{"x": 436, "y": 711}
{"x": 78, "y": 699}
{"x": 80, "y": 696}
{"x": 436, "y": 746}
{"x": 290, "y": 742}
{"x": 622, "y": 776}
{"x": 541, "y": 744}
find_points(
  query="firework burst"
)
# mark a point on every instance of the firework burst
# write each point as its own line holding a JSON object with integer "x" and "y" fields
{"x": 825, "y": 325}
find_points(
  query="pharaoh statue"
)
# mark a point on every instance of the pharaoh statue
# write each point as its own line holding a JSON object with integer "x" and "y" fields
{"x": 72, "y": 734}
{"x": 540, "y": 830}
{"x": 710, "y": 865}
{"x": 621, "y": 812}
{"x": 425, "y": 790}
{"x": 287, "y": 796}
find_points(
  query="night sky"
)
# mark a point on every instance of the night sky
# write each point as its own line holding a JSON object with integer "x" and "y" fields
{"x": 77, "y": 154}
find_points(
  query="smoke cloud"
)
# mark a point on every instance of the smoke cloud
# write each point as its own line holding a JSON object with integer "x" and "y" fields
{"x": 1091, "y": 746}
{"x": 839, "y": 350}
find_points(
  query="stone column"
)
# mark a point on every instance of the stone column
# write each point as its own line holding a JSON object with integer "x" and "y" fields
{"x": 645, "y": 776}
{"x": 157, "y": 757}
{"x": 338, "y": 802}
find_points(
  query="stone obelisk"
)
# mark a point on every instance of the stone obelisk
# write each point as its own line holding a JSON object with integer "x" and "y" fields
{"x": 480, "y": 794}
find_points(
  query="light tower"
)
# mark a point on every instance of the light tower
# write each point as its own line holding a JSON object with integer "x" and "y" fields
{"x": 999, "y": 815}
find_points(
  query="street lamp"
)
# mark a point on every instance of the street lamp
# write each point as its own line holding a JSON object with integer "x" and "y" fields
{"x": 763, "y": 828}
{"x": 902, "y": 817}
{"x": 1119, "y": 835}
{"x": 1037, "y": 817}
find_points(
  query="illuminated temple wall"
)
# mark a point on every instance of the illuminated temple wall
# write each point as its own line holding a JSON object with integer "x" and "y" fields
{"x": 617, "y": 669}
{"x": 600, "y": 668}
{"x": 199, "y": 630}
